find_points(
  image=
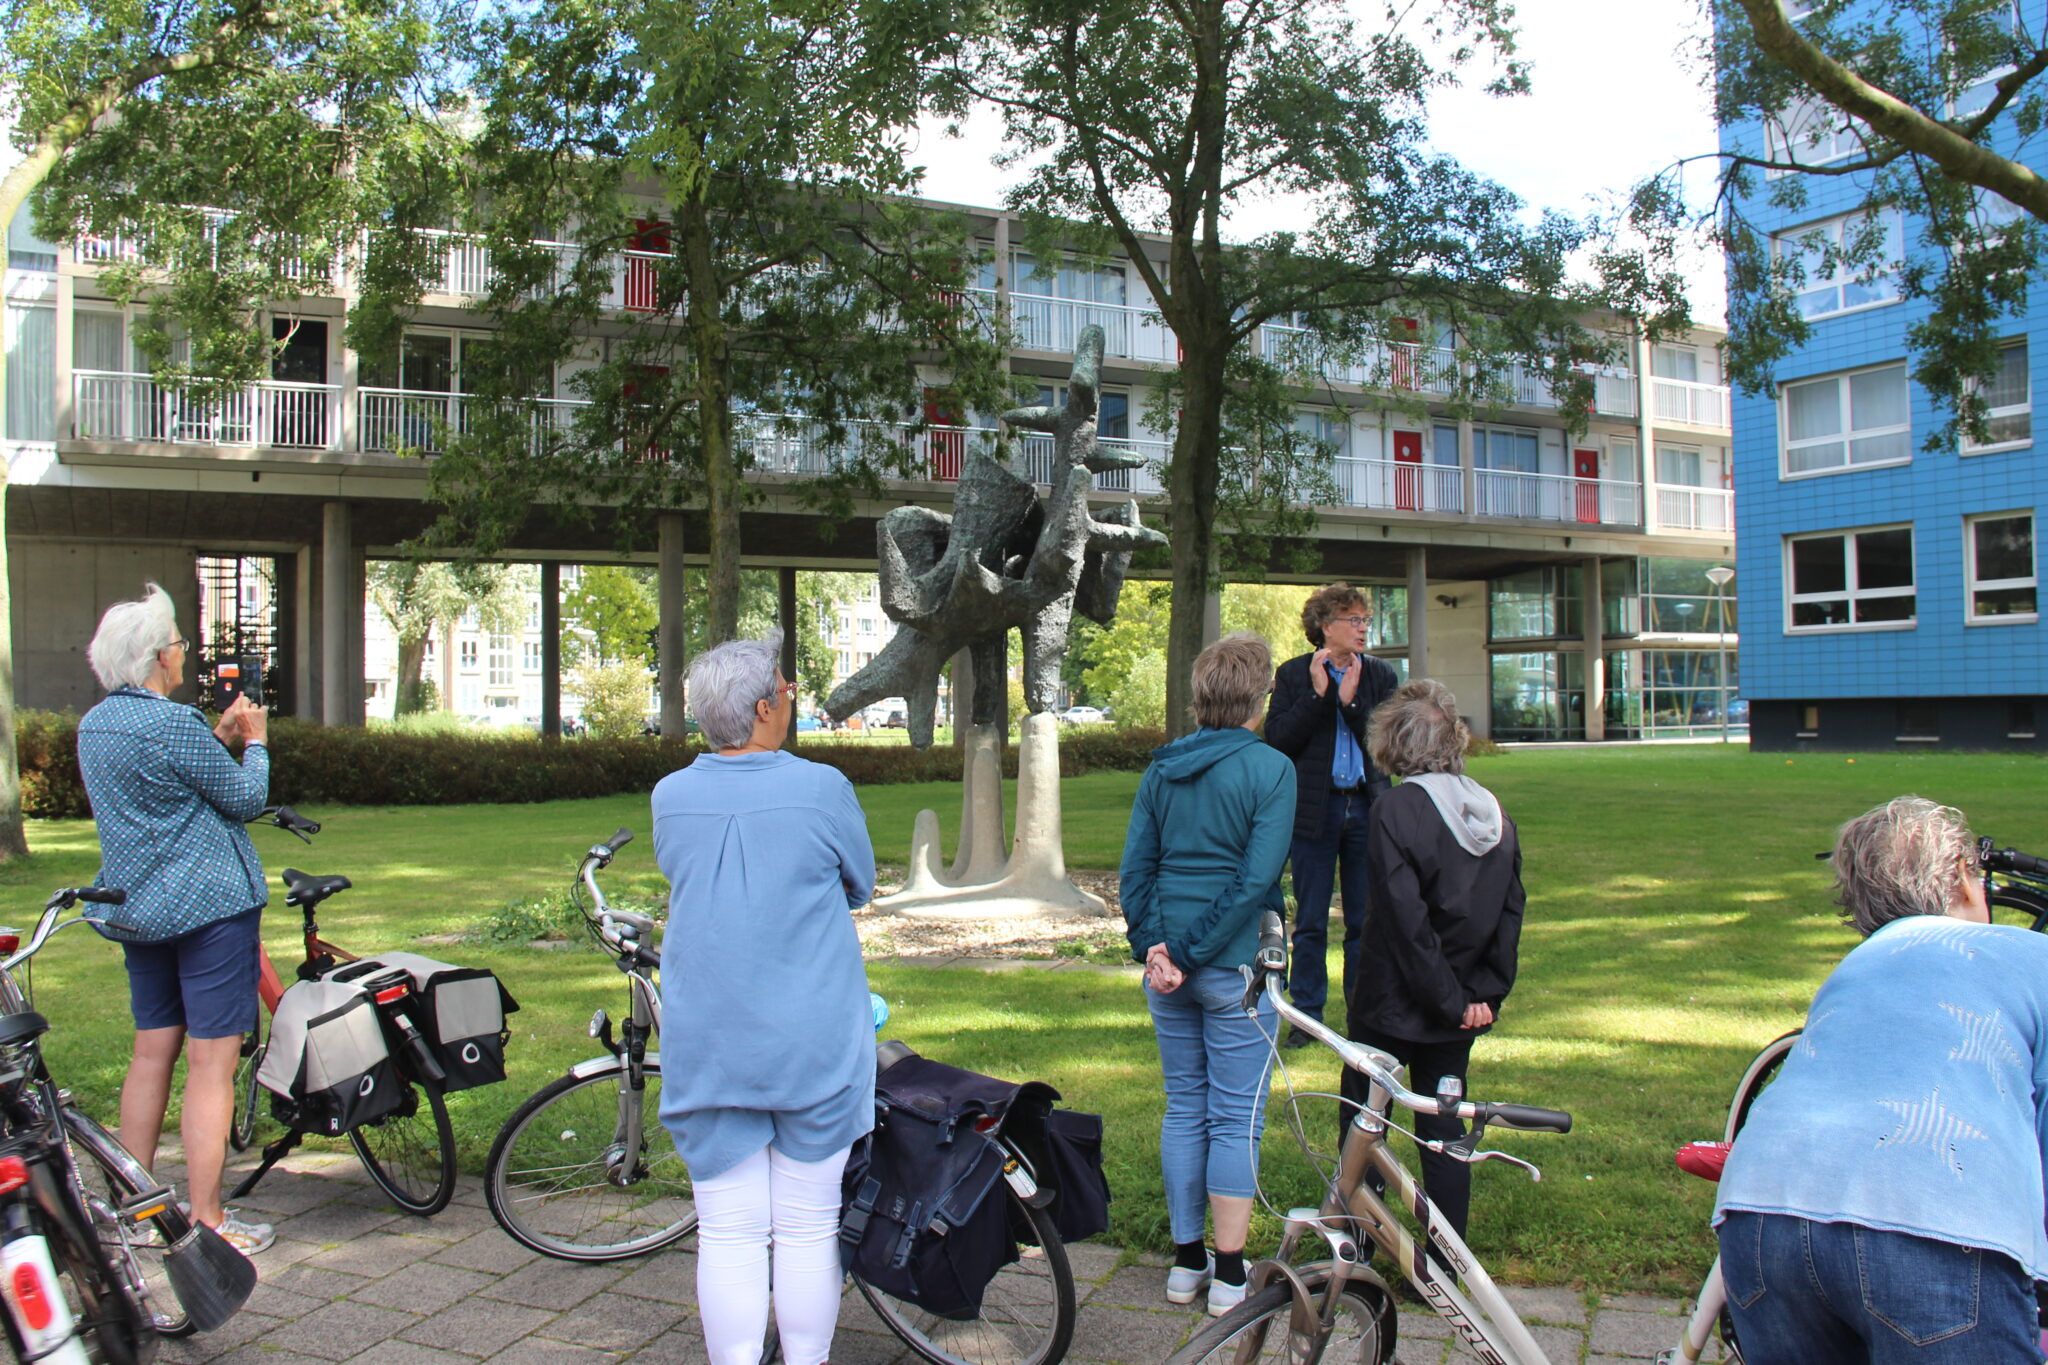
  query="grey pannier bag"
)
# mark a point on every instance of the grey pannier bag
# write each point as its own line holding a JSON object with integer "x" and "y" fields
{"x": 328, "y": 1068}
{"x": 460, "y": 1011}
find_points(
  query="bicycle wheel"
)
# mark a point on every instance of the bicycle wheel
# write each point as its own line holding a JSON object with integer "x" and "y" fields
{"x": 1027, "y": 1311}
{"x": 556, "y": 1177}
{"x": 1762, "y": 1071}
{"x": 1259, "y": 1329}
{"x": 2020, "y": 906}
{"x": 410, "y": 1152}
{"x": 248, "y": 1094}
{"x": 111, "y": 1177}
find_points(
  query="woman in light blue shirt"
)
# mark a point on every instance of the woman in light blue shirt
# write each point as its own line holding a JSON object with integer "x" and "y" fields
{"x": 1885, "y": 1200}
{"x": 765, "y": 1015}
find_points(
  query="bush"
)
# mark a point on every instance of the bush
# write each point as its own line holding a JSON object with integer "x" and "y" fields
{"x": 400, "y": 765}
{"x": 614, "y": 697}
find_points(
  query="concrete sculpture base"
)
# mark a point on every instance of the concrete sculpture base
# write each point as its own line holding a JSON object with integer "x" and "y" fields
{"x": 982, "y": 884}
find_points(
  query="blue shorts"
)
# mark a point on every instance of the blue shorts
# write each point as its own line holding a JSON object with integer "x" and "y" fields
{"x": 203, "y": 982}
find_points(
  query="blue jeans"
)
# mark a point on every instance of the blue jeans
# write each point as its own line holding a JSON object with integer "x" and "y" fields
{"x": 1214, "y": 1060}
{"x": 1315, "y": 864}
{"x": 1807, "y": 1293}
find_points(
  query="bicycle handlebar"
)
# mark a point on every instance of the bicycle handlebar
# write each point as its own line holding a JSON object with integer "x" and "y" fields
{"x": 2010, "y": 860}
{"x": 60, "y": 901}
{"x": 1376, "y": 1066}
{"x": 620, "y": 932}
{"x": 290, "y": 821}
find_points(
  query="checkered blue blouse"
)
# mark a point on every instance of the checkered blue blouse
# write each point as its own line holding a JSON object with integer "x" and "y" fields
{"x": 169, "y": 800}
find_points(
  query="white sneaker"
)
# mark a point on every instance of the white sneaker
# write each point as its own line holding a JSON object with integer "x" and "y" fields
{"x": 1183, "y": 1284}
{"x": 247, "y": 1238}
{"x": 1224, "y": 1297}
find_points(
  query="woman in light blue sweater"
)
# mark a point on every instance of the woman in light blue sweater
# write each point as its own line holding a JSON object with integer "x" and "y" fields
{"x": 765, "y": 1014}
{"x": 1885, "y": 1201}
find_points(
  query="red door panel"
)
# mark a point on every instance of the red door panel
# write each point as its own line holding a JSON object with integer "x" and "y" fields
{"x": 1586, "y": 465}
{"x": 652, "y": 237}
{"x": 1408, "y": 478}
{"x": 947, "y": 439}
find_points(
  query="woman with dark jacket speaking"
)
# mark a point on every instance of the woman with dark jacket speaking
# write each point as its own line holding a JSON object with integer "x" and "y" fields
{"x": 1438, "y": 949}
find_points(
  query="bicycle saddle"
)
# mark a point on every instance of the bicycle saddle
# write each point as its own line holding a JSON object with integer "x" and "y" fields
{"x": 305, "y": 890}
{"x": 20, "y": 1028}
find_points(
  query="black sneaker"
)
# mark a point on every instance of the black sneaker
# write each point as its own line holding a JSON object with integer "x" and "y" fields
{"x": 1297, "y": 1037}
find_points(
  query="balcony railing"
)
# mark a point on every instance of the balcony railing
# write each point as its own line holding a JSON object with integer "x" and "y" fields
{"x": 110, "y": 406}
{"x": 1043, "y": 323}
{"x": 1690, "y": 404}
{"x": 1557, "y": 497}
{"x": 1384, "y": 365}
{"x": 1694, "y": 509}
{"x": 289, "y": 253}
{"x": 1400, "y": 485}
{"x": 389, "y": 421}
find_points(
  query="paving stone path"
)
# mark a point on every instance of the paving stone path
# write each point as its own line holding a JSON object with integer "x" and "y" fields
{"x": 352, "y": 1279}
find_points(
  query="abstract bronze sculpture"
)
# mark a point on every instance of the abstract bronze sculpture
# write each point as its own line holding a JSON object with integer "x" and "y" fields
{"x": 1003, "y": 560}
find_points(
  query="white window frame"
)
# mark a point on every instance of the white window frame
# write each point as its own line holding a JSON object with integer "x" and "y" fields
{"x": 499, "y": 657}
{"x": 1972, "y": 584}
{"x": 1849, "y": 434}
{"x": 1955, "y": 102}
{"x": 1838, "y": 230}
{"x": 1787, "y": 136}
{"x": 1851, "y": 593}
{"x": 2024, "y": 408}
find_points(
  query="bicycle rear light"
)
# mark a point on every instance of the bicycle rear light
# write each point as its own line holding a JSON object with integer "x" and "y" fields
{"x": 10, "y": 940}
{"x": 13, "y": 1174}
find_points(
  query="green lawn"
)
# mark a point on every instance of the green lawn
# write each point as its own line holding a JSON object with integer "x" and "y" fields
{"x": 1677, "y": 921}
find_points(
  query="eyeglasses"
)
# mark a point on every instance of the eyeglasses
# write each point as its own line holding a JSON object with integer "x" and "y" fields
{"x": 1356, "y": 622}
{"x": 788, "y": 689}
{"x": 180, "y": 643}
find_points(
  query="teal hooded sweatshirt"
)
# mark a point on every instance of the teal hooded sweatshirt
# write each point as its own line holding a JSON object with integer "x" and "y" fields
{"x": 1209, "y": 834}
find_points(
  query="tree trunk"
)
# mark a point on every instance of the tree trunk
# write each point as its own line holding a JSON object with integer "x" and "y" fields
{"x": 412, "y": 661}
{"x": 1191, "y": 480}
{"x": 710, "y": 354}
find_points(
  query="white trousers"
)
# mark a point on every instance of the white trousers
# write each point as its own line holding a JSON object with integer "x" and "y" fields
{"x": 795, "y": 1204}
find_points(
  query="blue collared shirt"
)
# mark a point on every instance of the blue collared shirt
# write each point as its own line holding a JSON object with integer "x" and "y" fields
{"x": 1347, "y": 766}
{"x": 1916, "y": 1101}
{"x": 169, "y": 801}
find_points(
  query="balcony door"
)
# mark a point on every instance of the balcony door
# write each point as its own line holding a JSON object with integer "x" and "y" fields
{"x": 947, "y": 438}
{"x": 1408, "y": 474}
{"x": 297, "y": 415}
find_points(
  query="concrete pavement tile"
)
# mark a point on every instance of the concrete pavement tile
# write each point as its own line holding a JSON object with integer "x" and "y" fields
{"x": 1421, "y": 1324}
{"x": 270, "y": 1301}
{"x": 553, "y": 1284}
{"x": 1641, "y": 1335}
{"x": 539, "y": 1351}
{"x": 407, "y": 1353}
{"x": 668, "y": 1278}
{"x": 455, "y": 1222}
{"x": 1642, "y": 1303}
{"x": 492, "y": 1252}
{"x": 314, "y": 1282}
{"x": 283, "y": 1252}
{"x": 1134, "y": 1286}
{"x": 256, "y": 1354}
{"x": 1127, "y": 1334}
{"x": 335, "y": 1222}
{"x": 423, "y": 1288}
{"x": 1559, "y": 1343}
{"x": 282, "y": 1197}
{"x": 374, "y": 1254}
{"x": 869, "y": 1348}
{"x": 239, "y": 1330}
{"x": 1564, "y": 1306}
{"x": 684, "y": 1346}
{"x": 478, "y": 1327}
{"x": 615, "y": 1322}
{"x": 336, "y": 1331}
{"x": 1092, "y": 1261}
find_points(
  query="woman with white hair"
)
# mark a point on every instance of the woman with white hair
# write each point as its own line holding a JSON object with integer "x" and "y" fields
{"x": 765, "y": 1008}
{"x": 1884, "y": 1202}
{"x": 170, "y": 800}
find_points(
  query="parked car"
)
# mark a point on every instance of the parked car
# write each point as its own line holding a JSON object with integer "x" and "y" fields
{"x": 1083, "y": 715}
{"x": 896, "y": 720}
{"x": 806, "y": 724}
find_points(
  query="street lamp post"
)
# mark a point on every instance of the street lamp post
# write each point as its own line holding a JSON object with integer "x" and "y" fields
{"x": 1719, "y": 576}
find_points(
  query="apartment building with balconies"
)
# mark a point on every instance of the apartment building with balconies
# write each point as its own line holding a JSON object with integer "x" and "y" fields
{"x": 1514, "y": 558}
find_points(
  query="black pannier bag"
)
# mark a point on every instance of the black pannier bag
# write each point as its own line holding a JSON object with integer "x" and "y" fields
{"x": 460, "y": 1011}
{"x": 328, "y": 1067}
{"x": 924, "y": 1217}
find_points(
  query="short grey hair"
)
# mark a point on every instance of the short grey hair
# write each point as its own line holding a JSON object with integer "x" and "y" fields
{"x": 1231, "y": 679}
{"x": 724, "y": 683}
{"x": 124, "y": 649}
{"x": 1904, "y": 858}
{"x": 1417, "y": 730}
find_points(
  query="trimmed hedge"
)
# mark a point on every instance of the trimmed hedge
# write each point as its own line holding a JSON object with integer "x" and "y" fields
{"x": 315, "y": 764}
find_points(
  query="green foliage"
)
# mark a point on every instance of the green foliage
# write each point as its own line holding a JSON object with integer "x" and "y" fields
{"x": 1139, "y": 698}
{"x": 608, "y": 617}
{"x": 1124, "y": 663}
{"x": 614, "y": 697}
{"x": 417, "y": 597}
{"x": 1271, "y": 611}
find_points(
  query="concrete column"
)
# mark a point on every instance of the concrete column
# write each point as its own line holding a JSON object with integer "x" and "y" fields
{"x": 66, "y": 293}
{"x": 358, "y": 605}
{"x": 1594, "y": 608}
{"x": 551, "y": 649}
{"x": 336, "y": 557}
{"x": 306, "y": 636}
{"x": 291, "y": 629}
{"x": 785, "y": 611}
{"x": 1212, "y": 616}
{"x": 669, "y": 631}
{"x": 1418, "y": 612}
{"x": 1468, "y": 466}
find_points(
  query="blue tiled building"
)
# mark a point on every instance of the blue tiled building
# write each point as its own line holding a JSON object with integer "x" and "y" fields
{"x": 1890, "y": 590}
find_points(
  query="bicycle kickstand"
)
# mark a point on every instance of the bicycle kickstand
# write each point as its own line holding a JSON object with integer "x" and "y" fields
{"x": 273, "y": 1152}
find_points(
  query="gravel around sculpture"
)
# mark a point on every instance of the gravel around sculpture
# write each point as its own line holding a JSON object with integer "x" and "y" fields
{"x": 1003, "y": 560}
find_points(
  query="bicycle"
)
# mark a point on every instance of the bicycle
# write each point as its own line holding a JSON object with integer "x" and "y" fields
{"x": 1339, "y": 1309}
{"x": 99, "y": 1258}
{"x": 2014, "y": 882}
{"x": 575, "y": 1173}
{"x": 409, "y": 1153}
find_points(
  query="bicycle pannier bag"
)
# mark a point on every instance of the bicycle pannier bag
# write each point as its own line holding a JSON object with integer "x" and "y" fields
{"x": 328, "y": 1068}
{"x": 461, "y": 1013}
{"x": 1080, "y": 1207}
{"x": 924, "y": 1218}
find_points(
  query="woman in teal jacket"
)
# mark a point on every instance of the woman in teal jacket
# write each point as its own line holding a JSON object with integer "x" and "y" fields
{"x": 1209, "y": 834}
